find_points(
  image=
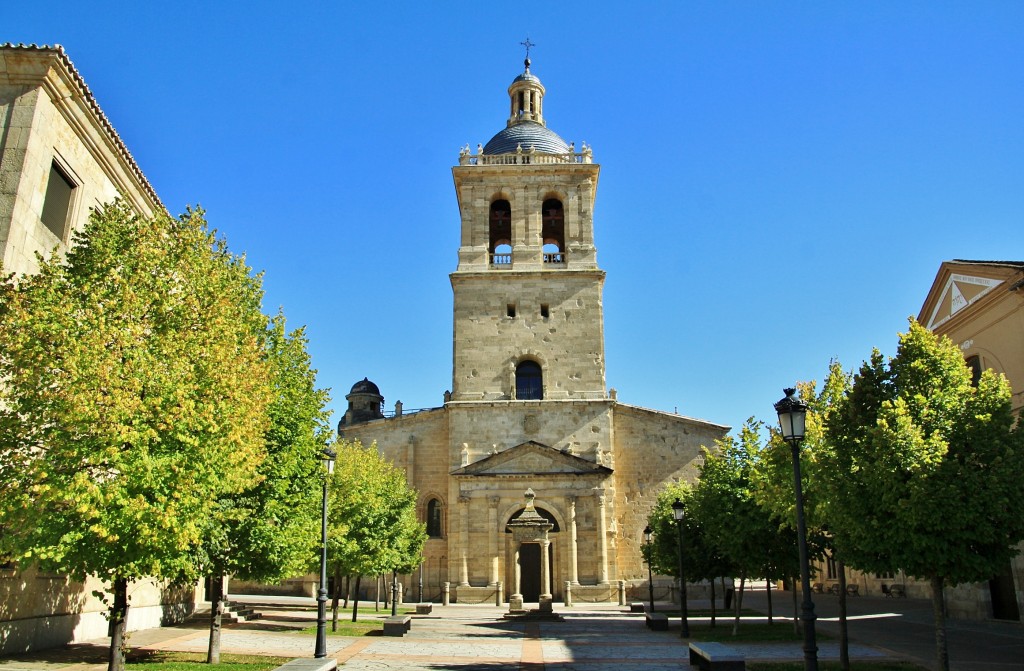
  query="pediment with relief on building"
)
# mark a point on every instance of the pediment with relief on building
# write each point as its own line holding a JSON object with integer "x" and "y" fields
{"x": 960, "y": 284}
{"x": 532, "y": 458}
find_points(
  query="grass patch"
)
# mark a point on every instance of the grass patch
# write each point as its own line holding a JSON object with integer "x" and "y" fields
{"x": 169, "y": 660}
{"x": 706, "y": 612}
{"x": 834, "y": 666}
{"x": 749, "y": 632}
{"x": 368, "y": 622}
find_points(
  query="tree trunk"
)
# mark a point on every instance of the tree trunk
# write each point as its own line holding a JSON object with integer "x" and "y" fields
{"x": 768, "y": 589}
{"x": 794, "y": 581}
{"x": 738, "y": 604}
{"x": 355, "y": 600}
{"x": 844, "y": 640}
{"x": 118, "y": 618}
{"x": 712, "y": 603}
{"x": 348, "y": 589}
{"x": 216, "y": 597}
{"x": 335, "y": 598}
{"x": 939, "y": 610}
{"x": 376, "y": 595}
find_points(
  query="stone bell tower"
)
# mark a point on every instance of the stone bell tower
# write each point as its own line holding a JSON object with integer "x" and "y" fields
{"x": 528, "y": 318}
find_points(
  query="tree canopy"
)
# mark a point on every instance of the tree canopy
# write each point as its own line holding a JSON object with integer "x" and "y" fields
{"x": 372, "y": 514}
{"x": 133, "y": 395}
{"x": 923, "y": 470}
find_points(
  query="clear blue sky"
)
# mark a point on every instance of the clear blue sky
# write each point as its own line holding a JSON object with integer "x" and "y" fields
{"x": 780, "y": 181}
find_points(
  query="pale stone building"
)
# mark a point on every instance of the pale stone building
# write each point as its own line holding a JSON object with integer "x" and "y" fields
{"x": 980, "y": 306}
{"x": 60, "y": 157}
{"x": 528, "y": 406}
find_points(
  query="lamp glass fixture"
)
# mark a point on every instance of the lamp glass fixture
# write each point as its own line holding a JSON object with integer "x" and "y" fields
{"x": 328, "y": 459}
{"x": 678, "y": 510}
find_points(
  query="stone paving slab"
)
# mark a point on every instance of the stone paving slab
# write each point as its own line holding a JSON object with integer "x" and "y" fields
{"x": 454, "y": 638}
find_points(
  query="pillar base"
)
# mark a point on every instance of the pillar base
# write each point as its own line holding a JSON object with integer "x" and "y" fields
{"x": 515, "y": 605}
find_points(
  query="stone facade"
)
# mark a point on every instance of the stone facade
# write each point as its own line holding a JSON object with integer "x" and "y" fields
{"x": 60, "y": 157}
{"x": 528, "y": 407}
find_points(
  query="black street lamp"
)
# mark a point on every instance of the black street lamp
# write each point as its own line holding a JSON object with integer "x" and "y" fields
{"x": 328, "y": 456}
{"x": 394, "y": 592}
{"x": 650, "y": 574}
{"x": 679, "y": 512}
{"x": 792, "y": 415}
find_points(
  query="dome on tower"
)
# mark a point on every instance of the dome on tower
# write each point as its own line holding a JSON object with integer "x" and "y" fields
{"x": 526, "y": 134}
{"x": 526, "y": 129}
{"x": 364, "y": 386}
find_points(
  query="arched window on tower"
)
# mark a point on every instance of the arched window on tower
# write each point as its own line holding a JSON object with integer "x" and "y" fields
{"x": 434, "y": 515}
{"x": 529, "y": 381}
{"x": 553, "y": 231}
{"x": 500, "y": 244}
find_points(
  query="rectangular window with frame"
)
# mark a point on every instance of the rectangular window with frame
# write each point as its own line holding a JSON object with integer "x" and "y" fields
{"x": 60, "y": 192}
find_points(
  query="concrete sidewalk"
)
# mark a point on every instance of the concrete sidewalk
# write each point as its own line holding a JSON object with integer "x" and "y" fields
{"x": 905, "y": 628}
{"x": 592, "y": 638}
{"x": 463, "y": 637}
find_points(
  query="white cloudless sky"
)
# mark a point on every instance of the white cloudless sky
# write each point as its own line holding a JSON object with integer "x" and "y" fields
{"x": 779, "y": 181}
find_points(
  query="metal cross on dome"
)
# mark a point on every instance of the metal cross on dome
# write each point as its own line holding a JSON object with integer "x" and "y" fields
{"x": 528, "y": 44}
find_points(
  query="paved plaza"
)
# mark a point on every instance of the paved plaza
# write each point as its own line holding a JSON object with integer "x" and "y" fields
{"x": 591, "y": 638}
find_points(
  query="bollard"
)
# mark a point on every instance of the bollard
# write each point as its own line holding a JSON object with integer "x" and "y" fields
{"x": 622, "y": 592}
{"x": 445, "y": 593}
{"x": 568, "y": 594}
{"x": 498, "y": 594}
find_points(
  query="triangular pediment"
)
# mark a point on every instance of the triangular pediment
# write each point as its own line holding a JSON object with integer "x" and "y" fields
{"x": 532, "y": 458}
{"x": 960, "y": 285}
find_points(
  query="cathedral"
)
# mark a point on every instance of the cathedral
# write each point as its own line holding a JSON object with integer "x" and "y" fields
{"x": 529, "y": 429}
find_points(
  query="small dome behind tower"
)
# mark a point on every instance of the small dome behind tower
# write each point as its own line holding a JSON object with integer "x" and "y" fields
{"x": 365, "y": 404}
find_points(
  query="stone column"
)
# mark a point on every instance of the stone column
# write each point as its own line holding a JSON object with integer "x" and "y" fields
{"x": 602, "y": 539}
{"x": 545, "y": 569}
{"x": 464, "y": 541}
{"x": 574, "y": 575}
{"x": 518, "y": 573}
{"x": 494, "y": 537}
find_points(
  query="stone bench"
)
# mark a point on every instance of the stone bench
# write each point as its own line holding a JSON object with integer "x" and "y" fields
{"x": 397, "y": 625}
{"x": 656, "y": 621}
{"x": 716, "y": 657}
{"x": 637, "y": 607}
{"x": 424, "y": 608}
{"x": 309, "y": 664}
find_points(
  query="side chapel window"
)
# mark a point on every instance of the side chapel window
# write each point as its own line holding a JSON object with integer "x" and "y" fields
{"x": 434, "y": 529}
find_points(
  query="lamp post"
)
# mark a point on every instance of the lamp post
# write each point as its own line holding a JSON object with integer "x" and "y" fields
{"x": 679, "y": 512}
{"x": 394, "y": 592}
{"x": 650, "y": 574}
{"x": 792, "y": 414}
{"x": 328, "y": 456}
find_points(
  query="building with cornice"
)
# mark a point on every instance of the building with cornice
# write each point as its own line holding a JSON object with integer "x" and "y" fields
{"x": 528, "y": 407}
{"x": 59, "y": 158}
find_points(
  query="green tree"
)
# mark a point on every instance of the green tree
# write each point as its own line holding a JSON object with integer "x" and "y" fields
{"x": 702, "y": 560}
{"x": 373, "y": 527}
{"x": 134, "y": 393}
{"x": 925, "y": 469}
{"x": 750, "y": 537}
{"x": 269, "y": 531}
